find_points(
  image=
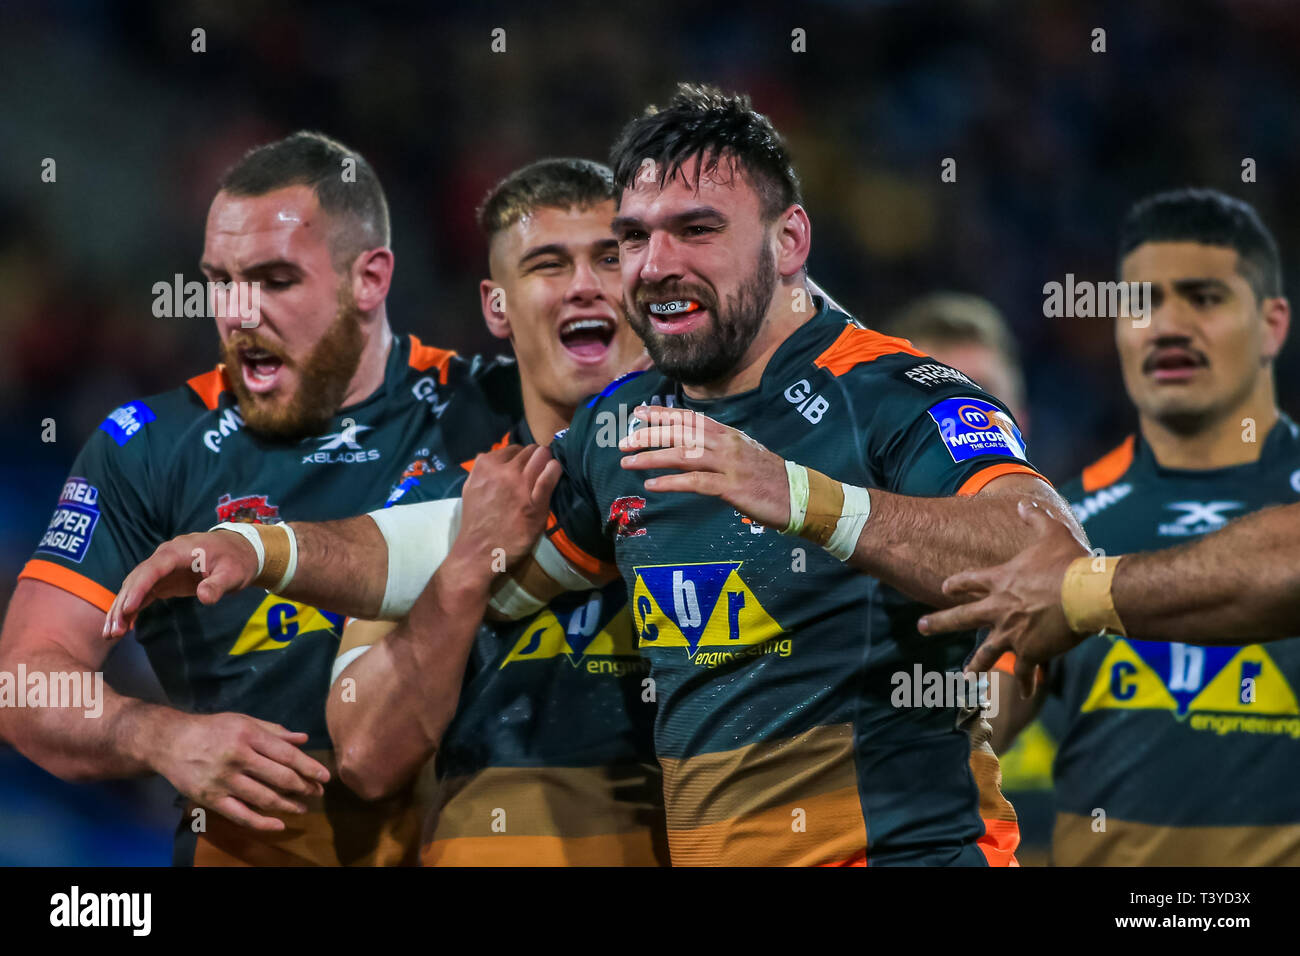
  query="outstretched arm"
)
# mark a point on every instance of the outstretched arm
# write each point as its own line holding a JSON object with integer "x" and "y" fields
{"x": 911, "y": 543}
{"x": 1235, "y": 586}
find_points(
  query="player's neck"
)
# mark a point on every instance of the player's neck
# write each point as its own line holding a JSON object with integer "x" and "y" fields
{"x": 1234, "y": 437}
{"x": 782, "y": 321}
{"x": 544, "y": 418}
{"x": 377, "y": 341}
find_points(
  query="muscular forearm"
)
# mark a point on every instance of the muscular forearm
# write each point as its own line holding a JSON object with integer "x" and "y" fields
{"x": 342, "y": 566}
{"x": 388, "y": 723}
{"x": 112, "y": 736}
{"x": 1235, "y": 586}
{"x": 913, "y": 544}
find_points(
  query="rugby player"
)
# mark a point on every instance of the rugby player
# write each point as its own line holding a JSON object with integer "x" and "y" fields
{"x": 772, "y": 660}
{"x": 548, "y": 760}
{"x": 1150, "y": 711}
{"x": 314, "y": 412}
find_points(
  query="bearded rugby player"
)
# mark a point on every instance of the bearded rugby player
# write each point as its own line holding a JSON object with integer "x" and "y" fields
{"x": 313, "y": 413}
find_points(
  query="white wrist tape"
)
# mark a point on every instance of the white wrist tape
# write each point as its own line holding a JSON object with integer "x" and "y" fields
{"x": 419, "y": 538}
{"x": 293, "y": 559}
{"x": 854, "y": 509}
{"x": 853, "y": 517}
{"x": 797, "y": 475}
{"x": 250, "y": 535}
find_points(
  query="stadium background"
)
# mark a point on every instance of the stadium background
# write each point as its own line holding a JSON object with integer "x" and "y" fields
{"x": 1052, "y": 143}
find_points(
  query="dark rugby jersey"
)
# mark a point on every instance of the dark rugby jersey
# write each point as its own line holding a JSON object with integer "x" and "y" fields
{"x": 1187, "y": 754}
{"x": 549, "y": 760}
{"x": 773, "y": 662}
{"x": 182, "y": 461}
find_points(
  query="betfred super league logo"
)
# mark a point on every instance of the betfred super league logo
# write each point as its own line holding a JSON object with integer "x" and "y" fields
{"x": 254, "y": 509}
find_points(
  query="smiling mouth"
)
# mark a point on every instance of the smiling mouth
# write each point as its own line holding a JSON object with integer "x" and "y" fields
{"x": 587, "y": 339}
{"x": 676, "y": 316}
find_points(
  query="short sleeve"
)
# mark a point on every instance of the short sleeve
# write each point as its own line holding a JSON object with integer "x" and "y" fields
{"x": 952, "y": 445}
{"x": 104, "y": 521}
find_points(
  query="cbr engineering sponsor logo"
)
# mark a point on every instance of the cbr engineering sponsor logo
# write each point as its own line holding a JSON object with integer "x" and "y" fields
{"x": 574, "y": 631}
{"x": 707, "y": 609}
{"x": 1217, "y": 689}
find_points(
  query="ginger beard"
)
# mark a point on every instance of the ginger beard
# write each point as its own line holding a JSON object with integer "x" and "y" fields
{"x": 322, "y": 380}
{"x": 709, "y": 353}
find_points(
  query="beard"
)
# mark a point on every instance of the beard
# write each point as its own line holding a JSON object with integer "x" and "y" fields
{"x": 710, "y": 353}
{"x": 322, "y": 380}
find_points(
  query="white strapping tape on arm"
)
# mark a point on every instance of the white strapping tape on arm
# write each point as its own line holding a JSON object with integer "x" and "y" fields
{"x": 343, "y": 660}
{"x": 419, "y": 538}
{"x": 513, "y": 602}
{"x": 853, "y": 518}
{"x": 250, "y": 535}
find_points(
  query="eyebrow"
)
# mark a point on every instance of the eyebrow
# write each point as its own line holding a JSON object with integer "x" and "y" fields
{"x": 561, "y": 250}
{"x": 681, "y": 219}
{"x": 1185, "y": 286}
{"x": 257, "y": 267}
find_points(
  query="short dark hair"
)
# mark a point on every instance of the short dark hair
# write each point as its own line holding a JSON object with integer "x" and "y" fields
{"x": 960, "y": 318}
{"x": 703, "y": 121}
{"x": 356, "y": 204}
{"x": 1213, "y": 218}
{"x": 545, "y": 184}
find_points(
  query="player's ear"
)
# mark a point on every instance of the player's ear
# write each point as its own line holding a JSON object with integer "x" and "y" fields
{"x": 794, "y": 240}
{"x": 493, "y": 299}
{"x": 371, "y": 276}
{"x": 1277, "y": 321}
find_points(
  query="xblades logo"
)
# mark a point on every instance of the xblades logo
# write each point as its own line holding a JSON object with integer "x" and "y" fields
{"x": 347, "y": 437}
{"x": 342, "y": 447}
{"x": 1198, "y": 517}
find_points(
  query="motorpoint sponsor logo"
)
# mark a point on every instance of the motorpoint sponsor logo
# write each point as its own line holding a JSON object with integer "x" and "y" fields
{"x": 972, "y": 427}
{"x": 73, "y": 523}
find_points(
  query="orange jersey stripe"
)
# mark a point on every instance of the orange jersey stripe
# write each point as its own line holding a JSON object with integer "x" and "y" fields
{"x": 210, "y": 385}
{"x": 856, "y": 345}
{"x": 1110, "y": 467}
{"x": 425, "y": 357}
{"x": 501, "y": 443}
{"x": 68, "y": 580}
{"x": 976, "y": 482}
{"x": 575, "y": 555}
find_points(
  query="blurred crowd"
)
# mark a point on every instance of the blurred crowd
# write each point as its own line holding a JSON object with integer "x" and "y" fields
{"x": 1052, "y": 143}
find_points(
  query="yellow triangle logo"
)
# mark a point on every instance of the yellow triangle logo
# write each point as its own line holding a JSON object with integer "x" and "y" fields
{"x": 1250, "y": 684}
{"x": 1127, "y": 682}
{"x": 276, "y": 622}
